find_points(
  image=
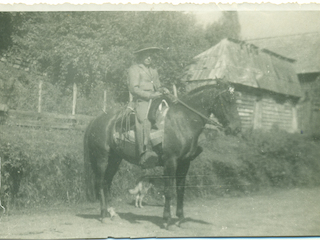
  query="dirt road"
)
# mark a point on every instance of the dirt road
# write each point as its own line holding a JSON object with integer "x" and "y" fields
{"x": 294, "y": 212}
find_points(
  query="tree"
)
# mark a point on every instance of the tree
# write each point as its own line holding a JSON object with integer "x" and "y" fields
{"x": 93, "y": 47}
{"x": 6, "y": 29}
{"x": 227, "y": 27}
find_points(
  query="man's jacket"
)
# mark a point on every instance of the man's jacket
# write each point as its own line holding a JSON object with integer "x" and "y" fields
{"x": 142, "y": 81}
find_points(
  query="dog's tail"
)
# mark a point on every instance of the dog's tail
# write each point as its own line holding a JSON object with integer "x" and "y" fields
{"x": 135, "y": 190}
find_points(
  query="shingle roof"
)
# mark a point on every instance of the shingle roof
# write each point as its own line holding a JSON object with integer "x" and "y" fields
{"x": 243, "y": 63}
{"x": 305, "y": 48}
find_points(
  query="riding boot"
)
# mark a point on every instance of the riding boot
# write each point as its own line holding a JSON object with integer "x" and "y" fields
{"x": 148, "y": 158}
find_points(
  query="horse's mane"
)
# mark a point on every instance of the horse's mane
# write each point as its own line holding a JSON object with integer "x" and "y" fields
{"x": 219, "y": 85}
{"x": 200, "y": 89}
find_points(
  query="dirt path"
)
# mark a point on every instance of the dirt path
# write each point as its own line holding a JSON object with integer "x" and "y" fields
{"x": 294, "y": 212}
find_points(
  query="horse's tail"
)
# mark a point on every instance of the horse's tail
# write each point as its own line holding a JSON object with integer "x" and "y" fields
{"x": 89, "y": 176}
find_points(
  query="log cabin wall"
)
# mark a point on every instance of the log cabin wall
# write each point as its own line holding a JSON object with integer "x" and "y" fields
{"x": 264, "y": 112}
{"x": 267, "y": 81}
{"x": 246, "y": 108}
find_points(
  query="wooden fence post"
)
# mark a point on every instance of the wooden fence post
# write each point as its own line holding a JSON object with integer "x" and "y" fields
{"x": 104, "y": 100}
{"x": 175, "y": 90}
{"x": 40, "y": 96}
{"x": 4, "y": 210}
{"x": 74, "y": 102}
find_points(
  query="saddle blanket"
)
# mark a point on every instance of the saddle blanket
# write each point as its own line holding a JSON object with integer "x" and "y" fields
{"x": 156, "y": 136}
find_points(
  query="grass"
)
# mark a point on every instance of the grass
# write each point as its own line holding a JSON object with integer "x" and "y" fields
{"x": 45, "y": 166}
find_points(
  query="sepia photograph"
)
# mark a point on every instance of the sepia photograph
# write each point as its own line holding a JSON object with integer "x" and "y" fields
{"x": 159, "y": 120}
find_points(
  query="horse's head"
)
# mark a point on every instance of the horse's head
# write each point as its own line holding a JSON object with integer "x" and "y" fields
{"x": 224, "y": 108}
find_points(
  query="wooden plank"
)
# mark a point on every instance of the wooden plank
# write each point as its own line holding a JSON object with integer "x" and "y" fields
{"x": 246, "y": 122}
{"x": 246, "y": 99}
{"x": 44, "y": 125}
{"x": 247, "y": 119}
{"x": 18, "y": 113}
{"x": 244, "y": 114}
{"x": 245, "y": 103}
{"x": 276, "y": 114}
{"x": 273, "y": 121}
{"x": 277, "y": 119}
{"x": 272, "y": 111}
{"x": 273, "y": 114}
{"x": 245, "y": 110}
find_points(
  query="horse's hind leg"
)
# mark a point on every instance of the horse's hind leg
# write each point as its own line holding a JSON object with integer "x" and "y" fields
{"x": 102, "y": 163}
{"x": 112, "y": 168}
{"x": 181, "y": 174}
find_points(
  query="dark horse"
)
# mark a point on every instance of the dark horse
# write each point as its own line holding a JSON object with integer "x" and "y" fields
{"x": 184, "y": 122}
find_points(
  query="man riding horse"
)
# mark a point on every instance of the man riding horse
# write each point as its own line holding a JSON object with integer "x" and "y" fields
{"x": 144, "y": 85}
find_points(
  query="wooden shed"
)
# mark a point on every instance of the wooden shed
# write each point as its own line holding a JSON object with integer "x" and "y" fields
{"x": 268, "y": 85}
{"x": 305, "y": 48}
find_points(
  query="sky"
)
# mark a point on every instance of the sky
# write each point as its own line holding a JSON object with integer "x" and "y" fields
{"x": 262, "y": 24}
{"x": 256, "y": 20}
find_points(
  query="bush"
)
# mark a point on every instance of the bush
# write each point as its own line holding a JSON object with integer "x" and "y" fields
{"x": 14, "y": 163}
{"x": 257, "y": 160}
{"x": 44, "y": 166}
{"x": 41, "y": 166}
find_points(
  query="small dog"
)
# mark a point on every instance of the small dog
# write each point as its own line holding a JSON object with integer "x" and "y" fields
{"x": 143, "y": 185}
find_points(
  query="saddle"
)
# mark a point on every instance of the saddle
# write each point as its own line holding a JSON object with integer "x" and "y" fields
{"x": 124, "y": 133}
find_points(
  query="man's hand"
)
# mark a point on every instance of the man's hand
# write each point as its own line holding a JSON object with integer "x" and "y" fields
{"x": 154, "y": 95}
{"x": 164, "y": 90}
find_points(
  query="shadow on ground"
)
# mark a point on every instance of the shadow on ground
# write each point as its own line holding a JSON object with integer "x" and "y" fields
{"x": 89, "y": 216}
{"x": 155, "y": 204}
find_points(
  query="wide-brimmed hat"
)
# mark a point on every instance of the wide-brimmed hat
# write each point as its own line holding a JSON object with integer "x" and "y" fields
{"x": 145, "y": 48}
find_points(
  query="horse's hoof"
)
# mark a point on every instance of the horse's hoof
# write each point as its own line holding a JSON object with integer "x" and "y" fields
{"x": 180, "y": 221}
{"x": 115, "y": 219}
{"x": 165, "y": 226}
{"x": 105, "y": 220}
{"x": 185, "y": 224}
{"x": 172, "y": 227}
{"x": 177, "y": 224}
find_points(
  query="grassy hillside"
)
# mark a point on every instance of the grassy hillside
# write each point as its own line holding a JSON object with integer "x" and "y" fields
{"x": 41, "y": 166}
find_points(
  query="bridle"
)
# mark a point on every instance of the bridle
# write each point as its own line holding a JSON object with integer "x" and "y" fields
{"x": 211, "y": 121}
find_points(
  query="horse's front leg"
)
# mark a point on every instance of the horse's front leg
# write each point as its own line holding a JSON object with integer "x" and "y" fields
{"x": 181, "y": 173}
{"x": 169, "y": 174}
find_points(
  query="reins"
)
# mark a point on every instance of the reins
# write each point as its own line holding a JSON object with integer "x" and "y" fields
{"x": 211, "y": 121}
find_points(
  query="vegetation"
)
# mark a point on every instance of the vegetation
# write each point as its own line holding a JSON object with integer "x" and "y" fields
{"x": 94, "y": 49}
{"x": 259, "y": 159}
{"x": 45, "y": 166}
